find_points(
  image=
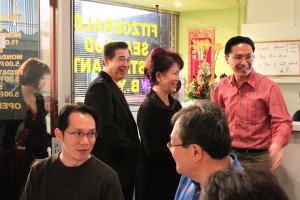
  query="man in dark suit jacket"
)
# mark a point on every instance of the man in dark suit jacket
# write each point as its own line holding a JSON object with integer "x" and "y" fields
{"x": 118, "y": 143}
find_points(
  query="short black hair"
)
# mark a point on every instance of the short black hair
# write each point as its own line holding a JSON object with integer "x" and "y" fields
{"x": 237, "y": 40}
{"x": 110, "y": 48}
{"x": 65, "y": 112}
{"x": 31, "y": 71}
{"x": 204, "y": 123}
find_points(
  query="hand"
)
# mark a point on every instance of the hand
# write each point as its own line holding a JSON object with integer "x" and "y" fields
{"x": 276, "y": 155}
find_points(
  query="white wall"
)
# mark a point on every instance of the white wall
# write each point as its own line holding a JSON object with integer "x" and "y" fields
{"x": 273, "y": 20}
{"x": 259, "y": 11}
{"x": 64, "y": 53}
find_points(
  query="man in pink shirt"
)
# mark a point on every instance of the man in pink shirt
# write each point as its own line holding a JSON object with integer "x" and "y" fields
{"x": 259, "y": 122}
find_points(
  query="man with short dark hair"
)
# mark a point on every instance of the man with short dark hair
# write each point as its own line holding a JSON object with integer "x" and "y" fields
{"x": 200, "y": 145}
{"x": 74, "y": 173}
{"x": 259, "y": 122}
{"x": 118, "y": 144}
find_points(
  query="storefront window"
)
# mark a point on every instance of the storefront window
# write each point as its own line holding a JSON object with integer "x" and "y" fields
{"x": 96, "y": 24}
{"x": 24, "y": 91}
{"x": 19, "y": 38}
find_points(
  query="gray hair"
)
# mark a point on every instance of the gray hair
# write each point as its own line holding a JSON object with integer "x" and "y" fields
{"x": 204, "y": 123}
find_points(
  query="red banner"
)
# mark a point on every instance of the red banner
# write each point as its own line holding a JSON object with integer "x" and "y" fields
{"x": 196, "y": 58}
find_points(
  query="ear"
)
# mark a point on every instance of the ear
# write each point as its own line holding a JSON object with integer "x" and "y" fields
{"x": 226, "y": 58}
{"x": 105, "y": 61}
{"x": 58, "y": 134}
{"x": 158, "y": 76}
{"x": 197, "y": 152}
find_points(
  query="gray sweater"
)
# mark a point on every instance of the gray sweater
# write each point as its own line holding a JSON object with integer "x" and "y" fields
{"x": 50, "y": 179}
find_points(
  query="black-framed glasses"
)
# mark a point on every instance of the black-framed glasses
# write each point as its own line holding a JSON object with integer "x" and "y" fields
{"x": 169, "y": 145}
{"x": 79, "y": 134}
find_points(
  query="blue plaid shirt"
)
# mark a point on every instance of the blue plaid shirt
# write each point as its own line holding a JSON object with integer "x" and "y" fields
{"x": 190, "y": 190}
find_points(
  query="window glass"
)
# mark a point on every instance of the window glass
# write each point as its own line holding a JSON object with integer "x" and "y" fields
{"x": 96, "y": 24}
{"x": 19, "y": 40}
{"x": 24, "y": 89}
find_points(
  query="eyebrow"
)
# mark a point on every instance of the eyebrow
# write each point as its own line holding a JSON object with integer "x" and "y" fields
{"x": 79, "y": 129}
{"x": 247, "y": 54}
{"x": 125, "y": 57}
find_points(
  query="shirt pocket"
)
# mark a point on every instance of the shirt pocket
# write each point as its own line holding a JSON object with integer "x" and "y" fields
{"x": 252, "y": 111}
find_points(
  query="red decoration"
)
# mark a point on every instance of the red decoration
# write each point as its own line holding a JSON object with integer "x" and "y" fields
{"x": 194, "y": 60}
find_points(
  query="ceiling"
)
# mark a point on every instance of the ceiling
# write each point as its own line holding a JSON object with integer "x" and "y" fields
{"x": 187, "y": 5}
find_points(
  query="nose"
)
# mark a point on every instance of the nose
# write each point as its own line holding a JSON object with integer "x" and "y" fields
{"x": 177, "y": 76}
{"x": 127, "y": 64}
{"x": 244, "y": 61}
{"x": 84, "y": 140}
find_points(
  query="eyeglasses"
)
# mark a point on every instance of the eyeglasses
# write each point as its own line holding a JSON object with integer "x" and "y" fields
{"x": 169, "y": 145}
{"x": 239, "y": 58}
{"x": 79, "y": 134}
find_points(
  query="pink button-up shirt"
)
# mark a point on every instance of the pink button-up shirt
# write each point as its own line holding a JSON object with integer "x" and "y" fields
{"x": 256, "y": 111}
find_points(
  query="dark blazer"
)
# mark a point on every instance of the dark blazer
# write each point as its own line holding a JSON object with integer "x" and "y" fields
{"x": 156, "y": 172}
{"x": 118, "y": 143}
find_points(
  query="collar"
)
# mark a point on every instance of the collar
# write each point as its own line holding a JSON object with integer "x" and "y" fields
{"x": 235, "y": 165}
{"x": 157, "y": 101}
{"x": 106, "y": 76}
{"x": 197, "y": 186}
{"x": 251, "y": 79}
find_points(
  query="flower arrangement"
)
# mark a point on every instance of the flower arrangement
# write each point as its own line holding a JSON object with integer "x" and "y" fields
{"x": 204, "y": 80}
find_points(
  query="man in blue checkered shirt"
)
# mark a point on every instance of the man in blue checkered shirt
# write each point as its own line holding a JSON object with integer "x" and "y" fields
{"x": 200, "y": 145}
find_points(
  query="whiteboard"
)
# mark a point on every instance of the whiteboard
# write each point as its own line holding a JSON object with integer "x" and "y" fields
{"x": 277, "y": 58}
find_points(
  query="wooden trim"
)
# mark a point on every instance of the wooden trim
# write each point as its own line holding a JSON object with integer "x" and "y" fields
{"x": 53, "y": 65}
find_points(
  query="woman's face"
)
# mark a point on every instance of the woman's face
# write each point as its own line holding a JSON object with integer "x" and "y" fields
{"x": 168, "y": 80}
{"x": 42, "y": 82}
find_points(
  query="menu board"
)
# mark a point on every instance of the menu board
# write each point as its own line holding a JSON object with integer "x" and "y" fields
{"x": 277, "y": 58}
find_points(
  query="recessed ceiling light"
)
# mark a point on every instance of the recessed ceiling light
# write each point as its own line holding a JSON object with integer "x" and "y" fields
{"x": 178, "y": 4}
